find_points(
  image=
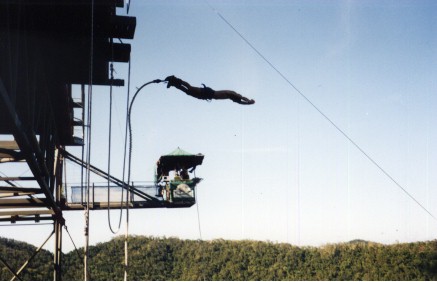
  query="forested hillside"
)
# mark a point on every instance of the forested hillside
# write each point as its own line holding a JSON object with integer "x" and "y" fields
{"x": 15, "y": 254}
{"x": 174, "y": 259}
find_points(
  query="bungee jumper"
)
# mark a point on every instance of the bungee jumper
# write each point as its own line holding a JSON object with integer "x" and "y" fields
{"x": 207, "y": 93}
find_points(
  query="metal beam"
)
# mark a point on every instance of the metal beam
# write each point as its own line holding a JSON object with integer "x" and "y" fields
{"x": 57, "y": 273}
{"x": 25, "y": 213}
{"x": 26, "y": 144}
{"x": 9, "y": 268}
{"x": 7, "y": 192}
{"x": 111, "y": 178}
{"x": 9, "y": 144}
{"x": 36, "y": 218}
{"x": 118, "y": 205}
{"x": 31, "y": 257}
{"x": 19, "y": 178}
{"x": 57, "y": 225}
{"x": 23, "y": 203}
{"x": 15, "y": 194}
{"x": 15, "y": 189}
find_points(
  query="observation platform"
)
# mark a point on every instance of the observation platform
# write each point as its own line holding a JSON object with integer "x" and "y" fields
{"x": 141, "y": 195}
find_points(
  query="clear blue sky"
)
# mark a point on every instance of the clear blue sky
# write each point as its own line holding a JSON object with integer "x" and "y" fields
{"x": 278, "y": 170}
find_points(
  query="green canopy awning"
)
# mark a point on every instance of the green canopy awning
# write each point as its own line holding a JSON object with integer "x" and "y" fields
{"x": 178, "y": 159}
{"x": 179, "y": 152}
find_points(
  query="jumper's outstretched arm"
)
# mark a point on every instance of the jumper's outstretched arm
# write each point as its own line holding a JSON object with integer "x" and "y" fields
{"x": 207, "y": 93}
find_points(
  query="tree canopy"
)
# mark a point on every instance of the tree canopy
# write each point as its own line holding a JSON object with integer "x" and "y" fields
{"x": 174, "y": 259}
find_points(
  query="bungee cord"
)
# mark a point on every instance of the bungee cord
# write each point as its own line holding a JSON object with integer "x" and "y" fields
{"x": 129, "y": 126}
{"x": 397, "y": 184}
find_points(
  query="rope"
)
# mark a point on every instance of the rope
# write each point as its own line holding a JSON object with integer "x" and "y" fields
{"x": 322, "y": 113}
{"x": 197, "y": 207}
{"x": 128, "y": 6}
{"x": 88, "y": 171}
{"x": 109, "y": 153}
{"x": 65, "y": 184}
{"x": 72, "y": 241}
{"x": 130, "y": 124}
{"x": 75, "y": 248}
{"x": 83, "y": 147}
{"x": 198, "y": 216}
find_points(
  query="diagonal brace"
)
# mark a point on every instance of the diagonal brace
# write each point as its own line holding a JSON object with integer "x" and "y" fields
{"x": 31, "y": 257}
{"x": 25, "y": 143}
{"x": 111, "y": 178}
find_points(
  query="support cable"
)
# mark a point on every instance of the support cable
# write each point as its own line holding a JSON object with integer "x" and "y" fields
{"x": 82, "y": 175}
{"x": 75, "y": 248}
{"x": 198, "y": 213}
{"x": 124, "y": 171}
{"x": 128, "y": 3}
{"x": 72, "y": 241}
{"x": 109, "y": 154}
{"x": 88, "y": 161}
{"x": 127, "y": 122}
{"x": 321, "y": 112}
{"x": 109, "y": 151}
{"x": 64, "y": 164}
{"x": 198, "y": 216}
{"x": 298, "y": 162}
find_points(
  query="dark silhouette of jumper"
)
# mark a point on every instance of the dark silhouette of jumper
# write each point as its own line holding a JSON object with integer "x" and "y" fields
{"x": 207, "y": 93}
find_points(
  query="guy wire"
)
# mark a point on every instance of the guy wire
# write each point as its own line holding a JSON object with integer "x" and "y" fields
{"x": 320, "y": 111}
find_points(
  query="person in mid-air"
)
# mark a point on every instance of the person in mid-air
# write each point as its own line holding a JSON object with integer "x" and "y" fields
{"x": 207, "y": 93}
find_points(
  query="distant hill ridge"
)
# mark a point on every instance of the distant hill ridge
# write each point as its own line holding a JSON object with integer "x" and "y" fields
{"x": 359, "y": 241}
{"x": 175, "y": 259}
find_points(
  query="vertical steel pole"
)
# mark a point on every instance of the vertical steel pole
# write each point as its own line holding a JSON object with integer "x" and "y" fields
{"x": 58, "y": 251}
{"x": 85, "y": 257}
{"x": 126, "y": 238}
{"x": 59, "y": 222}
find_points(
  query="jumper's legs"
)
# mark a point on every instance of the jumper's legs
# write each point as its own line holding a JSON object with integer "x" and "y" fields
{"x": 234, "y": 96}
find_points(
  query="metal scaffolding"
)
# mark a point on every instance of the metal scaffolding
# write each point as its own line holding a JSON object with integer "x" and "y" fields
{"x": 44, "y": 50}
